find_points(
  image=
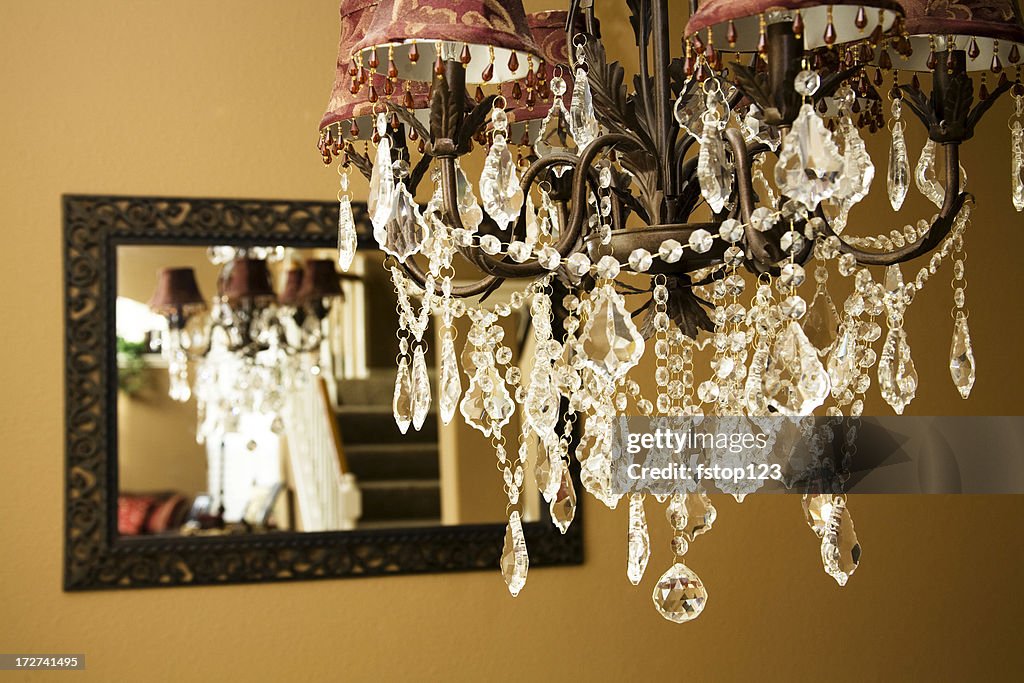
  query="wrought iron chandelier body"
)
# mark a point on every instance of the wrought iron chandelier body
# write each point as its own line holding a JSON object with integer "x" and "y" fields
{"x": 605, "y": 192}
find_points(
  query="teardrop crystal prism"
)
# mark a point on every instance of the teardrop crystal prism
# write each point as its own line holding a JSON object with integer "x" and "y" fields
{"x": 380, "y": 201}
{"x": 347, "y": 242}
{"x": 515, "y": 561}
{"x": 420, "y": 388}
{"x": 714, "y": 170}
{"x": 858, "y": 169}
{"x": 817, "y": 511}
{"x": 403, "y": 235}
{"x": 563, "y": 504}
{"x": 899, "y": 168}
{"x": 809, "y": 164}
{"x": 469, "y": 208}
{"x": 961, "y": 357}
{"x": 610, "y": 342}
{"x": 840, "y": 549}
{"x": 842, "y": 362}
{"x": 449, "y": 380}
{"x": 500, "y": 190}
{"x": 541, "y": 406}
{"x": 700, "y": 515}
{"x": 821, "y": 322}
{"x": 897, "y": 376}
{"x": 679, "y": 595}
{"x": 582, "y": 121}
{"x": 548, "y": 471}
{"x": 402, "y": 402}
{"x": 802, "y": 382}
{"x": 924, "y": 175}
{"x": 639, "y": 541}
{"x": 554, "y": 137}
{"x": 486, "y": 404}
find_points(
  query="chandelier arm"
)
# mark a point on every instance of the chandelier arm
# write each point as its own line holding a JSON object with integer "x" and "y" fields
{"x": 571, "y": 231}
{"x": 941, "y": 226}
{"x": 765, "y": 252}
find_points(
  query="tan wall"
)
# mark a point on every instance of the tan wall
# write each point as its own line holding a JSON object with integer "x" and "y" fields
{"x": 222, "y": 99}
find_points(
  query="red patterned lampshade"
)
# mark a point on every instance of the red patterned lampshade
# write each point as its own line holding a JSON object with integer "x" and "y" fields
{"x": 346, "y": 107}
{"x": 984, "y": 29}
{"x": 176, "y": 290}
{"x": 735, "y": 24}
{"x": 320, "y": 281}
{"x": 548, "y": 30}
{"x": 470, "y": 31}
{"x": 248, "y": 279}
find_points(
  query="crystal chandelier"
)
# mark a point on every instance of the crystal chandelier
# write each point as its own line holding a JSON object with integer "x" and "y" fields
{"x": 251, "y": 346}
{"x": 588, "y": 193}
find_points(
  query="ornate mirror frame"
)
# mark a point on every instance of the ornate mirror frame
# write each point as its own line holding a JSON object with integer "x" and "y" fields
{"x": 95, "y": 557}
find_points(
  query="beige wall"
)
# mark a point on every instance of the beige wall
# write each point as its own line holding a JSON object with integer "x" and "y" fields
{"x": 222, "y": 99}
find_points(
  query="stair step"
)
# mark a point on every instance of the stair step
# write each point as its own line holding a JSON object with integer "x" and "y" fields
{"x": 401, "y": 500}
{"x": 376, "y": 462}
{"x": 375, "y": 424}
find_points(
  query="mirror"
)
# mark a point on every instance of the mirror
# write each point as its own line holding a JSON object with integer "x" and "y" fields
{"x": 228, "y": 384}
{"x": 285, "y": 425}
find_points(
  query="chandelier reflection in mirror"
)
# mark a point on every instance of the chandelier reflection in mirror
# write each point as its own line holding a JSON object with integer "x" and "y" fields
{"x": 588, "y": 192}
{"x": 252, "y": 345}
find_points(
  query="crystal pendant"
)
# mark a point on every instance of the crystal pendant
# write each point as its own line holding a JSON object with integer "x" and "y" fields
{"x": 961, "y": 357}
{"x": 924, "y": 175}
{"x": 554, "y": 137}
{"x": 840, "y": 550}
{"x": 700, "y": 515}
{"x": 449, "y": 380}
{"x": 541, "y": 406}
{"x": 381, "y": 199}
{"x": 897, "y": 377}
{"x": 347, "y": 242}
{"x": 515, "y": 561}
{"x": 563, "y": 504}
{"x": 803, "y": 383}
{"x": 487, "y": 404}
{"x": 405, "y": 233}
{"x": 639, "y": 542}
{"x": 679, "y": 595}
{"x": 858, "y": 169}
{"x": 499, "y": 184}
{"x": 610, "y": 342}
{"x": 402, "y": 402}
{"x": 899, "y": 166}
{"x": 817, "y": 510}
{"x": 582, "y": 122}
{"x": 842, "y": 362}
{"x": 809, "y": 163}
{"x": 821, "y": 322}
{"x": 714, "y": 170}
{"x": 1017, "y": 164}
{"x": 177, "y": 374}
{"x": 420, "y": 388}
{"x": 469, "y": 209}
{"x": 548, "y": 472}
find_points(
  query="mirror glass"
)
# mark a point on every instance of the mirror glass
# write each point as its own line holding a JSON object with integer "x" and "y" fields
{"x": 255, "y": 391}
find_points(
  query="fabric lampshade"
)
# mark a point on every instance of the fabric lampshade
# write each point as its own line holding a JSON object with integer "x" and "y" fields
{"x": 975, "y": 26}
{"x": 346, "y": 107}
{"x": 744, "y": 16}
{"x": 176, "y": 290}
{"x": 320, "y": 280}
{"x": 471, "y": 28}
{"x": 248, "y": 279}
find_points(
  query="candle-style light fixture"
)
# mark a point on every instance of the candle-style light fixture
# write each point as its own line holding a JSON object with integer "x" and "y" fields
{"x": 673, "y": 213}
